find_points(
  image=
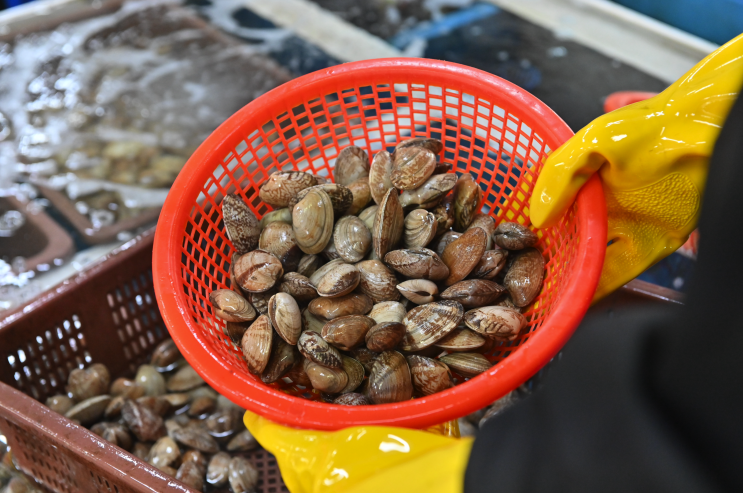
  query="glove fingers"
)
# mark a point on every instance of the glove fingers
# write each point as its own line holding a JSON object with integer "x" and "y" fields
{"x": 564, "y": 173}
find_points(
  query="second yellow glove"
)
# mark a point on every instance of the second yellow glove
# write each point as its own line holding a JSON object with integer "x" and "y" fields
{"x": 652, "y": 157}
{"x": 364, "y": 458}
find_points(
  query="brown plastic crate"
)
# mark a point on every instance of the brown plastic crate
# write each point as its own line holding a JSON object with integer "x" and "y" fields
{"x": 105, "y": 314}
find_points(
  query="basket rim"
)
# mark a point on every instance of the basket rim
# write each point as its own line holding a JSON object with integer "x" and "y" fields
{"x": 423, "y": 412}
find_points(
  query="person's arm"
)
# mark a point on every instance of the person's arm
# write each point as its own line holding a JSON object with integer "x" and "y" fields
{"x": 650, "y": 402}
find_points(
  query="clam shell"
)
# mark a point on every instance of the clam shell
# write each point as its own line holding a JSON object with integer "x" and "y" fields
{"x": 497, "y": 322}
{"x": 474, "y": 292}
{"x": 89, "y": 382}
{"x": 159, "y": 405}
{"x": 463, "y": 254}
{"x": 298, "y": 286}
{"x": 60, "y": 403}
{"x": 282, "y": 186}
{"x": 177, "y": 400}
{"x": 317, "y": 276}
{"x": 361, "y": 195}
{"x": 347, "y": 332}
{"x": 431, "y": 192}
{"x": 315, "y": 348}
{"x": 144, "y": 423}
{"x": 340, "y": 280}
{"x": 467, "y": 201}
{"x": 115, "y": 433}
{"x": 467, "y": 364}
{"x": 433, "y": 145}
{"x": 429, "y": 375}
{"x": 281, "y": 215}
{"x": 377, "y": 281}
{"x": 384, "y": 336}
{"x": 514, "y": 236}
{"x": 444, "y": 214}
{"x": 278, "y": 238}
{"x": 308, "y": 264}
{"x": 379, "y": 175}
{"x": 419, "y": 291}
{"x": 235, "y": 331}
{"x": 322, "y": 180}
{"x": 150, "y": 380}
{"x": 411, "y": 167}
{"x": 340, "y": 196}
{"x": 368, "y": 215}
{"x": 487, "y": 223}
{"x": 444, "y": 241}
{"x": 231, "y": 307}
{"x": 390, "y": 380}
{"x": 352, "y": 164}
{"x": 297, "y": 374}
{"x": 128, "y": 388}
{"x": 461, "y": 339}
{"x": 164, "y": 452}
{"x": 355, "y": 372}
{"x": 312, "y": 221}
{"x": 350, "y": 304}
{"x": 256, "y": 344}
{"x": 419, "y": 263}
{"x": 311, "y": 322}
{"x": 420, "y": 228}
{"x": 388, "y": 311}
{"x": 240, "y": 224}
{"x": 351, "y": 399}
{"x": 388, "y": 224}
{"x": 281, "y": 361}
{"x": 196, "y": 457}
{"x": 165, "y": 355}
{"x": 490, "y": 264}
{"x": 191, "y": 474}
{"x": 330, "y": 252}
{"x": 525, "y": 276}
{"x": 242, "y": 442}
{"x": 243, "y": 475}
{"x": 324, "y": 379}
{"x": 285, "y": 317}
{"x": 89, "y": 410}
{"x": 427, "y": 324}
{"x": 196, "y": 437}
{"x": 352, "y": 238}
{"x": 365, "y": 356}
{"x": 184, "y": 379}
{"x": 225, "y": 422}
{"x": 260, "y": 300}
{"x": 217, "y": 472}
{"x": 257, "y": 271}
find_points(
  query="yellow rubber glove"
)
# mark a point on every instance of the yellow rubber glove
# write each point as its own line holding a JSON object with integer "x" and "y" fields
{"x": 364, "y": 459}
{"x": 652, "y": 157}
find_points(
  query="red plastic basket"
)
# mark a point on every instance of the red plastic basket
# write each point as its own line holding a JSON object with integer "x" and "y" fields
{"x": 491, "y": 128}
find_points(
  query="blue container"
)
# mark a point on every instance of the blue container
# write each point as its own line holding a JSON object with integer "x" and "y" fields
{"x": 718, "y": 21}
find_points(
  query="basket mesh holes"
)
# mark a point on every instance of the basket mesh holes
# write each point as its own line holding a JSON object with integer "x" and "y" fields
{"x": 40, "y": 367}
{"x": 136, "y": 317}
{"x": 44, "y": 461}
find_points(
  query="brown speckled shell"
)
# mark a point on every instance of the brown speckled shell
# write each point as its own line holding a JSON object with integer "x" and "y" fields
{"x": 240, "y": 224}
{"x": 426, "y": 324}
{"x": 525, "y": 276}
{"x": 463, "y": 254}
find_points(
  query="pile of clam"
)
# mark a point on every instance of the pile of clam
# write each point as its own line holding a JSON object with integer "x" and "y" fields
{"x": 402, "y": 299}
{"x": 168, "y": 417}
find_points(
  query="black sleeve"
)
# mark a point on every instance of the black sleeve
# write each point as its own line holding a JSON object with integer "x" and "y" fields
{"x": 648, "y": 402}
